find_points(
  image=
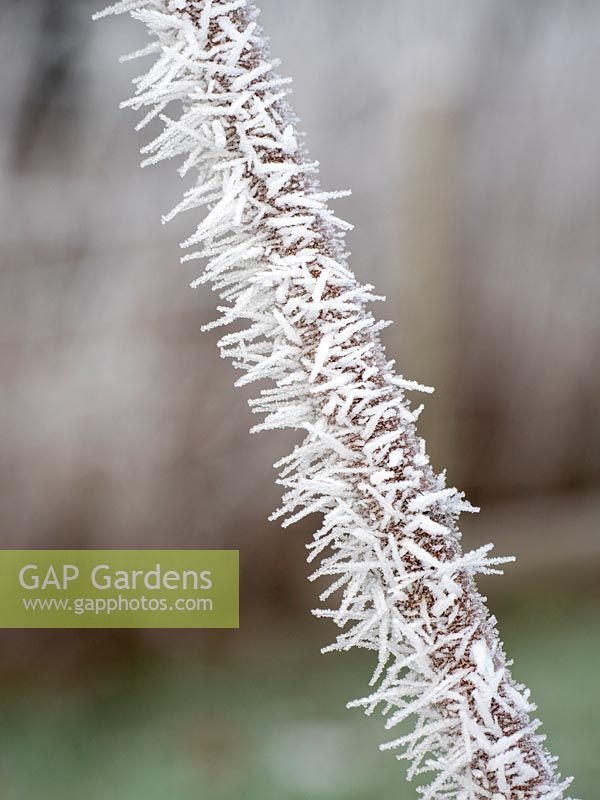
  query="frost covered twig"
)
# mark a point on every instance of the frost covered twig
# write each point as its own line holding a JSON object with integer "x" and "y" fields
{"x": 389, "y": 542}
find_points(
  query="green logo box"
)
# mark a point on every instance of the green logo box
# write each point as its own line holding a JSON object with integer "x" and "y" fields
{"x": 119, "y": 589}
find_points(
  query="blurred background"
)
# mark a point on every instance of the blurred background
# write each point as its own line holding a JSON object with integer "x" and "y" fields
{"x": 470, "y": 135}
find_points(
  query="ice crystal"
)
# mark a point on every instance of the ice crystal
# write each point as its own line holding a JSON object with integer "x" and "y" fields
{"x": 273, "y": 250}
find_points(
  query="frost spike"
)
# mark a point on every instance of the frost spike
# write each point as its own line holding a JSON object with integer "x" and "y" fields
{"x": 275, "y": 253}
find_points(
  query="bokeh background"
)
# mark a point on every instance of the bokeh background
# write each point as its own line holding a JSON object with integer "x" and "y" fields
{"x": 469, "y": 133}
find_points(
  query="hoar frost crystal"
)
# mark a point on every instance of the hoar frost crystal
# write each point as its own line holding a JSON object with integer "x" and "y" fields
{"x": 389, "y": 543}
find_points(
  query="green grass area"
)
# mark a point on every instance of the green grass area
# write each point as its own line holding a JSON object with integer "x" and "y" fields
{"x": 268, "y": 720}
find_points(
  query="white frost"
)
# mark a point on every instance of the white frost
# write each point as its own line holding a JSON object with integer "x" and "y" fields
{"x": 273, "y": 250}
